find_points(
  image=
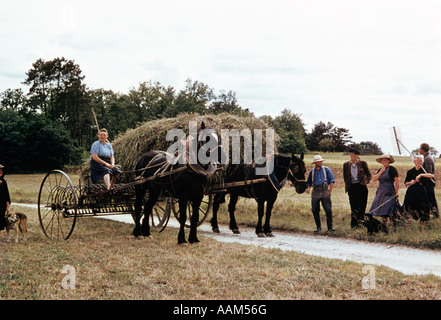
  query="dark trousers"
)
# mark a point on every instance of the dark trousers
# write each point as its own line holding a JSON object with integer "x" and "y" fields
{"x": 432, "y": 200}
{"x": 327, "y": 206}
{"x": 358, "y": 195}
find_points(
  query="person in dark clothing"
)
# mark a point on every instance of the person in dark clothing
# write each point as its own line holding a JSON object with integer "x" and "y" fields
{"x": 5, "y": 200}
{"x": 357, "y": 176}
{"x": 429, "y": 166}
{"x": 416, "y": 203}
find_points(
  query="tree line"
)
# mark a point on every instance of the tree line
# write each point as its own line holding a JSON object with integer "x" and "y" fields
{"x": 51, "y": 124}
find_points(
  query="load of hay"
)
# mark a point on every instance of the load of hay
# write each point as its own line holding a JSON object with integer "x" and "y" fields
{"x": 132, "y": 144}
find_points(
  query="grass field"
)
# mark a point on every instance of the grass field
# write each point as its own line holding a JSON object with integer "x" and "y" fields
{"x": 109, "y": 264}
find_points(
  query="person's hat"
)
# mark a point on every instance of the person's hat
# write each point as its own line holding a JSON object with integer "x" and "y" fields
{"x": 1, "y": 166}
{"x": 386, "y": 156}
{"x": 353, "y": 150}
{"x": 317, "y": 158}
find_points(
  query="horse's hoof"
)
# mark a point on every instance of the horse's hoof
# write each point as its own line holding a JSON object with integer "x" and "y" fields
{"x": 183, "y": 244}
{"x": 140, "y": 237}
{"x": 270, "y": 235}
{"x": 261, "y": 235}
{"x": 216, "y": 230}
{"x": 236, "y": 231}
{"x": 193, "y": 241}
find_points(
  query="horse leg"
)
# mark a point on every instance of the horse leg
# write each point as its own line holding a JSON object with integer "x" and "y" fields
{"x": 218, "y": 199}
{"x": 192, "y": 238}
{"x": 231, "y": 209}
{"x": 267, "y": 225}
{"x": 140, "y": 192}
{"x": 260, "y": 210}
{"x": 182, "y": 219}
{"x": 148, "y": 207}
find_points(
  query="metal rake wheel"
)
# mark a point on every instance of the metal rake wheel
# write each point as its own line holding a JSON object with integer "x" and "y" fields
{"x": 57, "y": 205}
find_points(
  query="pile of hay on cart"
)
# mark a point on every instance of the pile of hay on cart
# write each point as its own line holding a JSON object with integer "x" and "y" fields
{"x": 132, "y": 144}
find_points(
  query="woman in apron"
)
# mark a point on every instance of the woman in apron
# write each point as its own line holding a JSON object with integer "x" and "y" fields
{"x": 385, "y": 201}
{"x": 102, "y": 162}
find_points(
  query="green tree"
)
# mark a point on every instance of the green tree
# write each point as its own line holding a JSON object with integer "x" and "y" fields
{"x": 290, "y": 127}
{"x": 194, "y": 99}
{"x": 318, "y": 133}
{"x": 13, "y": 99}
{"x": 57, "y": 90}
{"x": 328, "y": 137}
{"x": 149, "y": 102}
{"x": 33, "y": 143}
{"x": 367, "y": 147}
{"x": 226, "y": 102}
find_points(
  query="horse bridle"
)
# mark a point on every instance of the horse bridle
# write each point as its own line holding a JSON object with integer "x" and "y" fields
{"x": 293, "y": 176}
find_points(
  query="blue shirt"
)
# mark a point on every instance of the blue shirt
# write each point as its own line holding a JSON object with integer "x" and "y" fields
{"x": 319, "y": 177}
{"x": 101, "y": 150}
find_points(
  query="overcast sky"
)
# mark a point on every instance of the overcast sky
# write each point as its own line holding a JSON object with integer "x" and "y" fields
{"x": 362, "y": 65}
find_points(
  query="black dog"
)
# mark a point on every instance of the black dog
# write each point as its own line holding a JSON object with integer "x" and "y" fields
{"x": 373, "y": 225}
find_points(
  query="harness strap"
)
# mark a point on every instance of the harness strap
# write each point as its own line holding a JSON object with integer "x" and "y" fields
{"x": 324, "y": 174}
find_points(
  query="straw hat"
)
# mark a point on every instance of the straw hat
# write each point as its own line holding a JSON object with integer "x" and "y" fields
{"x": 386, "y": 156}
{"x": 317, "y": 158}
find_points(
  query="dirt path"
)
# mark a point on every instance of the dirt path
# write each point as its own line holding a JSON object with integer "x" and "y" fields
{"x": 404, "y": 259}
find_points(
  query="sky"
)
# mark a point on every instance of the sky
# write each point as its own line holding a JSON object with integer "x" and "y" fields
{"x": 363, "y": 65}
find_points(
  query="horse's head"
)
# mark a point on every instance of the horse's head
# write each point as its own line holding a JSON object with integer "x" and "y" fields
{"x": 297, "y": 172}
{"x": 208, "y": 150}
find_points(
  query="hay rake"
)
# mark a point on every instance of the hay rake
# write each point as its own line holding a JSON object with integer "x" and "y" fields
{"x": 61, "y": 203}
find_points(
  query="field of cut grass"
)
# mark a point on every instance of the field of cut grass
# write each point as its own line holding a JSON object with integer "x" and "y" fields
{"x": 102, "y": 261}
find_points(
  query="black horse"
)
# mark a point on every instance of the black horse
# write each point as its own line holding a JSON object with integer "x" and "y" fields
{"x": 285, "y": 168}
{"x": 189, "y": 183}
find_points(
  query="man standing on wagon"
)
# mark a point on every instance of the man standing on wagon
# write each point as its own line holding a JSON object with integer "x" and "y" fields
{"x": 322, "y": 181}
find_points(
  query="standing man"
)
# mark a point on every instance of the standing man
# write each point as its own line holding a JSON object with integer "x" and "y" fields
{"x": 322, "y": 181}
{"x": 357, "y": 176}
{"x": 429, "y": 166}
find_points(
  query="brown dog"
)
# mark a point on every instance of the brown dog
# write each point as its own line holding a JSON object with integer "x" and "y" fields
{"x": 15, "y": 221}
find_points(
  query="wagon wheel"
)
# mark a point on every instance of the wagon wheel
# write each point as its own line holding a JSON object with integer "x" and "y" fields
{"x": 161, "y": 214}
{"x": 57, "y": 205}
{"x": 204, "y": 210}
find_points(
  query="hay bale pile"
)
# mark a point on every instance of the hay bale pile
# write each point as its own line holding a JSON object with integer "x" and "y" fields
{"x": 132, "y": 144}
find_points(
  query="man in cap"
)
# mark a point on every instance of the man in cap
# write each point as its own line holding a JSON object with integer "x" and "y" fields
{"x": 429, "y": 167}
{"x": 357, "y": 176}
{"x": 322, "y": 181}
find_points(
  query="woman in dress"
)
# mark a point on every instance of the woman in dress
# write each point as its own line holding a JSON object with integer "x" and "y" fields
{"x": 385, "y": 201}
{"x": 416, "y": 202}
{"x": 5, "y": 200}
{"x": 102, "y": 162}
